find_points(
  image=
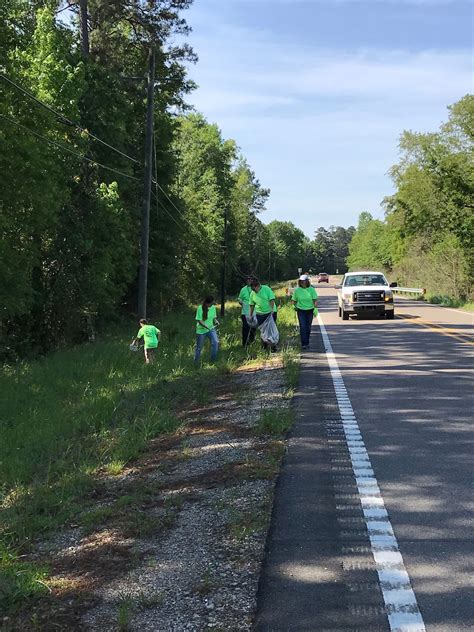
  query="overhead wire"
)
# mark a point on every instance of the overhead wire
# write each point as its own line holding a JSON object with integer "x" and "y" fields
{"x": 67, "y": 149}
{"x": 64, "y": 119}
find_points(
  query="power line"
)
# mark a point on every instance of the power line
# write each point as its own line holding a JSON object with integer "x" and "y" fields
{"x": 64, "y": 148}
{"x": 64, "y": 119}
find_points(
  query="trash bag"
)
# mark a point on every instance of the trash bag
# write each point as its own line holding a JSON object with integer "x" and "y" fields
{"x": 269, "y": 331}
{"x": 252, "y": 321}
{"x": 133, "y": 347}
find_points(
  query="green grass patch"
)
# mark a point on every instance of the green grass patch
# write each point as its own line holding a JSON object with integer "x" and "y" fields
{"x": 88, "y": 411}
{"x": 274, "y": 421}
{"x": 19, "y": 580}
{"x": 448, "y": 301}
{"x": 243, "y": 524}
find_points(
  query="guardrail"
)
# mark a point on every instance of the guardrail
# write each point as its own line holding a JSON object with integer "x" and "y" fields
{"x": 417, "y": 291}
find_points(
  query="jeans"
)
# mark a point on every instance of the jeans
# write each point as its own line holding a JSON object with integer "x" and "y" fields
{"x": 213, "y": 339}
{"x": 305, "y": 319}
{"x": 261, "y": 318}
{"x": 248, "y": 333}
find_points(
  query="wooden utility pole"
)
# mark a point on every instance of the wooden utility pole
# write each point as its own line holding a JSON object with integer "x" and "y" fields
{"x": 224, "y": 263}
{"x": 145, "y": 231}
{"x": 84, "y": 28}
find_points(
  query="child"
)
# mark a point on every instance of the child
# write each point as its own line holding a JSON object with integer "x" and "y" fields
{"x": 206, "y": 321}
{"x": 151, "y": 337}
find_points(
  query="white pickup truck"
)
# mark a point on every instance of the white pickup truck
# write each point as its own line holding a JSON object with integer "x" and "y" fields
{"x": 365, "y": 293}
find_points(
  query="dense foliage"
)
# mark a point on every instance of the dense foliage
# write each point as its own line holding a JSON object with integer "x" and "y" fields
{"x": 427, "y": 236}
{"x": 72, "y": 128}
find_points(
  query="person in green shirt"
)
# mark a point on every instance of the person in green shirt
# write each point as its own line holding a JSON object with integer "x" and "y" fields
{"x": 305, "y": 301}
{"x": 248, "y": 333}
{"x": 262, "y": 302}
{"x": 206, "y": 322}
{"x": 151, "y": 338}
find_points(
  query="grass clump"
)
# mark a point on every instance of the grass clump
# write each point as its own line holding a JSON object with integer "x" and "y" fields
{"x": 19, "y": 580}
{"x": 243, "y": 524}
{"x": 274, "y": 421}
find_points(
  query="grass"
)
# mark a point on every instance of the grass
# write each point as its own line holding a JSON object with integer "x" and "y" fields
{"x": 447, "y": 301}
{"x": 244, "y": 523}
{"x": 78, "y": 414}
{"x": 274, "y": 421}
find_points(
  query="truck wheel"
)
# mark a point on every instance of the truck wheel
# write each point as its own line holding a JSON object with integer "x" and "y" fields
{"x": 345, "y": 315}
{"x": 339, "y": 311}
{"x": 390, "y": 315}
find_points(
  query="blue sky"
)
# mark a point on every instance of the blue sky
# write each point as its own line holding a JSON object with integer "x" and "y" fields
{"x": 317, "y": 92}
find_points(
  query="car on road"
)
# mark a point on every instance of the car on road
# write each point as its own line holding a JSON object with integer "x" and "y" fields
{"x": 323, "y": 277}
{"x": 365, "y": 292}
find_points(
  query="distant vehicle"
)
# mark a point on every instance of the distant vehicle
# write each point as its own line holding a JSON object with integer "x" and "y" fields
{"x": 323, "y": 277}
{"x": 364, "y": 293}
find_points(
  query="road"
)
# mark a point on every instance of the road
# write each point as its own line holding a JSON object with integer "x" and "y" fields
{"x": 408, "y": 383}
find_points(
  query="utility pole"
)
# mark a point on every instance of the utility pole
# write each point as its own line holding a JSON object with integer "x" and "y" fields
{"x": 224, "y": 263}
{"x": 84, "y": 28}
{"x": 145, "y": 231}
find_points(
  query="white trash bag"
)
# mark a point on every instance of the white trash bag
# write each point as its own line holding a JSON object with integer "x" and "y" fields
{"x": 269, "y": 331}
{"x": 252, "y": 321}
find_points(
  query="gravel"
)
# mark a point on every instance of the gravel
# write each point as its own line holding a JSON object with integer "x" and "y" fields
{"x": 202, "y": 572}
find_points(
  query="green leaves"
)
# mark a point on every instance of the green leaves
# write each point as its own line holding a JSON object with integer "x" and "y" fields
{"x": 427, "y": 236}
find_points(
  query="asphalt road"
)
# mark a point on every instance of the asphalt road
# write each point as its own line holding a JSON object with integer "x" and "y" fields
{"x": 410, "y": 384}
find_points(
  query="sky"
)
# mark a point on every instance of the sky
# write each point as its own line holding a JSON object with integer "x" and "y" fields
{"x": 317, "y": 92}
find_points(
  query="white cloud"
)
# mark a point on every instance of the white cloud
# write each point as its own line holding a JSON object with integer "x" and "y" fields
{"x": 320, "y": 126}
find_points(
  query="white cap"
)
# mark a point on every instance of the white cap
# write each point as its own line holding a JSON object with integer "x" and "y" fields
{"x": 304, "y": 277}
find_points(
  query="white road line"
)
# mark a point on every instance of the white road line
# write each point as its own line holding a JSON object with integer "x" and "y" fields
{"x": 401, "y": 606}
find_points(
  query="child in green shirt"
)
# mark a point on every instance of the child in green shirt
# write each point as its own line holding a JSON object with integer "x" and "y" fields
{"x": 151, "y": 338}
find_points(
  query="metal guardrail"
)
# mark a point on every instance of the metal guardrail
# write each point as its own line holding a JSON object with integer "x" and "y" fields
{"x": 417, "y": 291}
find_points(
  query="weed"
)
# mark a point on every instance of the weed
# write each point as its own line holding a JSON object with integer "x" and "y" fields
{"x": 19, "y": 581}
{"x": 291, "y": 367}
{"x": 243, "y": 524}
{"x": 114, "y": 468}
{"x": 274, "y": 421}
{"x": 175, "y": 501}
{"x": 207, "y": 583}
{"x": 91, "y": 519}
{"x": 125, "y": 611}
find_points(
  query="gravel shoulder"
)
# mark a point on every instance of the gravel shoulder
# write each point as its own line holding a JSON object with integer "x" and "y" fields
{"x": 176, "y": 542}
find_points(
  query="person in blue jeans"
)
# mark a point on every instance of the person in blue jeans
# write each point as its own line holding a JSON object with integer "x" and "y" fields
{"x": 206, "y": 322}
{"x": 305, "y": 301}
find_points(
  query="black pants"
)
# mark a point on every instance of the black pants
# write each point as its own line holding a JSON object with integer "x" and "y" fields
{"x": 248, "y": 333}
{"x": 261, "y": 318}
{"x": 305, "y": 319}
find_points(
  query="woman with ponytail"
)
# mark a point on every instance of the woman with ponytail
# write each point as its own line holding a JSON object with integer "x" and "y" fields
{"x": 206, "y": 322}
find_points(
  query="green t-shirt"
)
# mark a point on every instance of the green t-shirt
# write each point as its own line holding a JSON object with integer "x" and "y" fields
{"x": 304, "y": 297}
{"x": 209, "y": 322}
{"x": 150, "y": 335}
{"x": 261, "y": 300}
{"x": 244, "y": 296}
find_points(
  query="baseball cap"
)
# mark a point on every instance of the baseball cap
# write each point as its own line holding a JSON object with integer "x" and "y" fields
{"x": 304, "y": 277}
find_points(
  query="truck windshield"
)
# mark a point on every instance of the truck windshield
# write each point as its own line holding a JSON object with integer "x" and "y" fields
{"x": 365, "y": 279}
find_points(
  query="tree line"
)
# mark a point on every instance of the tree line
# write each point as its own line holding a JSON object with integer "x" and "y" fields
{"x": 426, "y": 238}
{"x": 72, "y": 131}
